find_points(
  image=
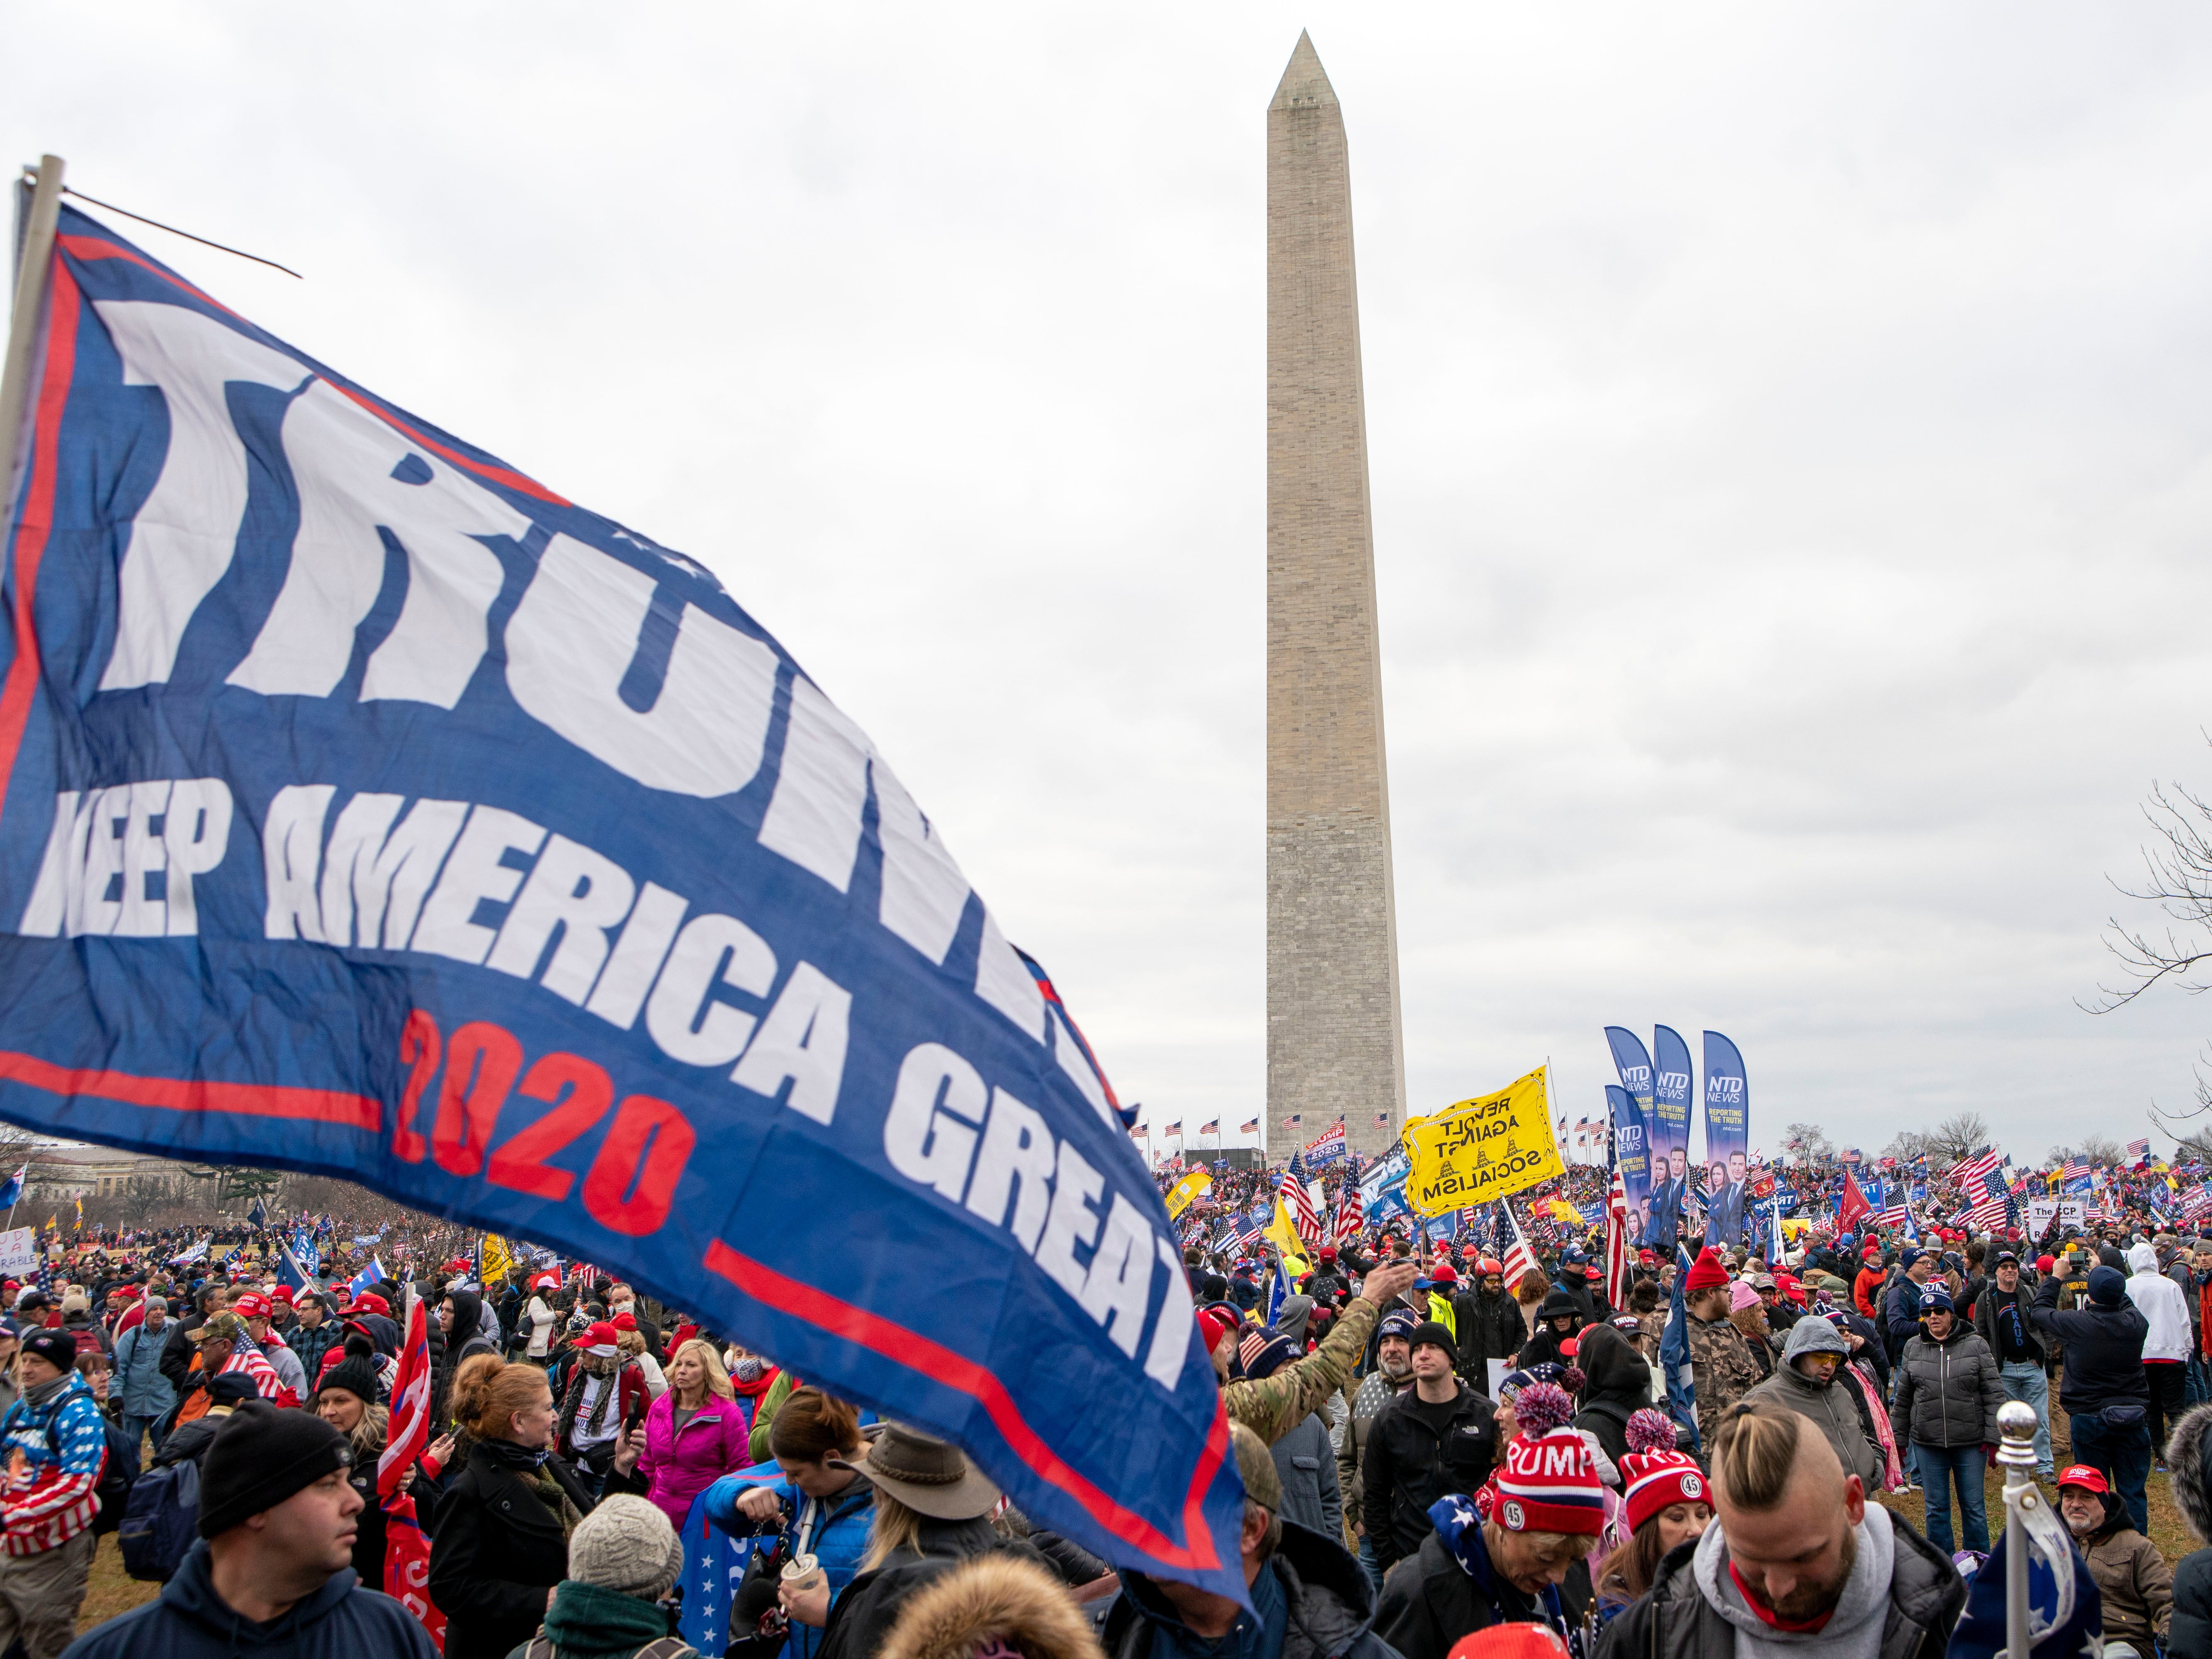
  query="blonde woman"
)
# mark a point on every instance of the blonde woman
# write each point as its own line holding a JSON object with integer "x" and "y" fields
{"x": 693, "y": 1434}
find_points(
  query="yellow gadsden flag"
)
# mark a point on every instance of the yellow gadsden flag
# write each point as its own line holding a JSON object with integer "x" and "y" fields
{"x": 1187, "y": 1191}
{"x": 1482, "y": 1150}
{"x": 1283, "y": 1234}
{"x": 498, "y": 1260}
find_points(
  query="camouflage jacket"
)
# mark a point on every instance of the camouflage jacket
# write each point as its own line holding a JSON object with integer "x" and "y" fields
{"x": 1725, "y": 1366}
{"x": 1272, "y": 1407}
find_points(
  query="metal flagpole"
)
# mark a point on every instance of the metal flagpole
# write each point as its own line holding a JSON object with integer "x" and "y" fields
{"x": 2016, "y": 1422}
{"x": 37, "y": 247}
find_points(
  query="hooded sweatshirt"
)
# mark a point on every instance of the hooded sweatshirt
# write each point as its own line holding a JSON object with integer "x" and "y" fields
{"x": 2162, "y": 1302}
{"x": 1833, "y": 1407}
{"x": 189, "y": 1620}
{"x": 1853, "y": 1630}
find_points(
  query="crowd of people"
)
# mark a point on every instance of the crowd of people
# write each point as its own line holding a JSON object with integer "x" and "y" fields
{"x": 1429, "y": 1452}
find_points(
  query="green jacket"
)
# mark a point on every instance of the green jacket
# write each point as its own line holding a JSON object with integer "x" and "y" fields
{"x": 1272, "y": 1407}
{"x": 764, "y": 1415}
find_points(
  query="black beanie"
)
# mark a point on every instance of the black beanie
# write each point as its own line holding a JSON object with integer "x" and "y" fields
{"x": 57, "y": 1347}
{"x": 1435, "y": 1334}
{"x": 260, "y": 1456}
{"x": 355, "y": 1374}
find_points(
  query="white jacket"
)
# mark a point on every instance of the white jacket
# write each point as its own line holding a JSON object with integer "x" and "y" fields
{"x": 2159, "y": 1300}
{"x": 539, "y": 1318}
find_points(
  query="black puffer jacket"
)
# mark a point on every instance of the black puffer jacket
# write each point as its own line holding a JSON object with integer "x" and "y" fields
{"x": 1408, "y": 1466}
{"x": 1947, "y": 1393}
{"x": 2189, "y": 1454}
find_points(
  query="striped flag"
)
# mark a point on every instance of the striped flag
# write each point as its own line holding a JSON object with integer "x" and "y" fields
{"x": 2139, "y": 1148}
{"x": 1967, "y": 1174}
{"x": 1616, "y": 1243}
{"x": 1519, "y": 1258}
{"x": 1351, "y": 1219}
{"x": 1299, "y": 1203}
{"x": 1249, "y": 1127}
{"x": 1211, "y": 1126}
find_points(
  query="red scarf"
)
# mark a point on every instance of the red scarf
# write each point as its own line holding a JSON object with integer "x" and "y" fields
{"x": 1774, "y": 1621}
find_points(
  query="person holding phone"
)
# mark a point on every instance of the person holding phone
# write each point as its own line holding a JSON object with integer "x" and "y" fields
{"x": 605, "y": 1396}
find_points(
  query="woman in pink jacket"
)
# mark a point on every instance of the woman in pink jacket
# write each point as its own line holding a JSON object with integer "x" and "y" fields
{"x": 694, "y": 1434}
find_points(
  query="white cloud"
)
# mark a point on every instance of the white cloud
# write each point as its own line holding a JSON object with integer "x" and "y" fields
{"x": 1788, "y": 459}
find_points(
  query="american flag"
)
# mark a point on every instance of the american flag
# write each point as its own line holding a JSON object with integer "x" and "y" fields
{"x": 1211, "y": 1126}
{"x": 1616, "y": 1243}
{"x": 1174, "y": 1128}
{"x": 1249, "y": 1127}
{"x": 1382, "y": 1119}
{"x": 1519, "y": 1258}
{"x": 1351, "y": 1219}
{"x": 1299, "y": 1203}
{"x": 1294, "y": 1119}
{"x": 1892, "y": 1218}
{"x": 2139, "y": 1148}
{"x": 1967, "y": 1175}
{"x": 1248, "y": 1227}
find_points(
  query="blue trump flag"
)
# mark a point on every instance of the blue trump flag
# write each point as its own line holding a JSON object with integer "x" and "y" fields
{"x": 370, "y": 809}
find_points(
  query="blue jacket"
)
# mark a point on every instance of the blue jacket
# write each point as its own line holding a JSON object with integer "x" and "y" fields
{"x": 839, "y": 1539}
{"x": 138, "y": 1383}
{"x": 189, "y": 1620}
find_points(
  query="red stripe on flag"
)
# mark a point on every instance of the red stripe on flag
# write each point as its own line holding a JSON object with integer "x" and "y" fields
{"x": 197, "y": 1094}
{"x": 939, "y": 1364}
{"x": 21, "y": 685}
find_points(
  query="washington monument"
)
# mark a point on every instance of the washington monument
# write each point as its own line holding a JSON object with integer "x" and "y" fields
{"x": 1335, "y": 1046}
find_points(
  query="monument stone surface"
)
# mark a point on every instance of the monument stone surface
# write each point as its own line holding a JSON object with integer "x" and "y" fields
{"x": 1335, "y": 1044}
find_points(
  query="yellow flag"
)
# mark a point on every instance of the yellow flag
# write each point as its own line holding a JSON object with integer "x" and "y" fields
{"x": 1281, "y": 1233}
{"x": 497, "y": 1260}
{"x": 1187, "y": 1191}
{"x": 1482, "y": 1149}
{"x": 1563, "y": 1211}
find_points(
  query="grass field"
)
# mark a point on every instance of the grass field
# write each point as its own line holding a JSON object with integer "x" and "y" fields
{"x": 2167, "y": 1530}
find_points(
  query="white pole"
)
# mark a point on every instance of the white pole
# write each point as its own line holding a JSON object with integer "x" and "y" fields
{"x": 23, "y": 323}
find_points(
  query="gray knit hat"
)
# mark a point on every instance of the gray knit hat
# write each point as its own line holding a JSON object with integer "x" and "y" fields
{"x": 626, "y": 1545}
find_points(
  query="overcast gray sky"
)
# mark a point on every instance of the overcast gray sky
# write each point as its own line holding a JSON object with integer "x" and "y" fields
{"x": 1789, "y": 439}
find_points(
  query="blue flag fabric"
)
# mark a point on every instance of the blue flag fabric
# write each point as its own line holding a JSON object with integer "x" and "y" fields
{"x": 12, "y": 1194}
{"x": 373, "y": 810}
{"x": 1728, "y": 1105}
{"x": 1674, "y": 1351}
{"x": 713, "y": 1567}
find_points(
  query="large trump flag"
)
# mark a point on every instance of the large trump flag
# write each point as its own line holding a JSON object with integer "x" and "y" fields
{"x": 370, "y": 809}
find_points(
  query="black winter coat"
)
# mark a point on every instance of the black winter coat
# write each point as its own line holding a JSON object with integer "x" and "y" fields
{"x": 1620, "y": 1385}
{"x": 1429, "y": 1601}
{"x": 1948, "y": 1392}
{"x": 1329, "y": 1607}
{"x": 496, "y": 1552}
{"x": 2189, "y": 1451}
{"x": 1490, "y": 1327}
{"x": 862, "y": 1617}
{"x": 1407, "y": 1466}
{"x": 2104, "y": 1350}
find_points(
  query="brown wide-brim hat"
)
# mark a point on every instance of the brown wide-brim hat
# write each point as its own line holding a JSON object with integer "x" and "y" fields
{"x": 930, "y": 1477}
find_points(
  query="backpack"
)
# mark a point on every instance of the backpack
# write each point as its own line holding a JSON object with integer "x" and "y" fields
{"x": 160, "y": 1520}
{"x": 117, "y": 1475}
